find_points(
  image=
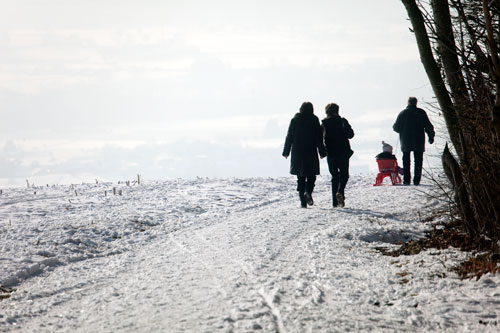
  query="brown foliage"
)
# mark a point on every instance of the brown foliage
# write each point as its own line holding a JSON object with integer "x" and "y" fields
{"x": 488, "y": 261}
{"x": 478, "y": 266}
{"x": 5, "y": 292}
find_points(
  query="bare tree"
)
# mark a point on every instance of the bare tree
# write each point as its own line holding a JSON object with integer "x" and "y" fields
{"x": 458, "y": 42}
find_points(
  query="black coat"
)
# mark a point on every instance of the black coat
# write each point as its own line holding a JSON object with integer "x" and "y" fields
{"x": 386, "y": 156}
{"x": 411, "y": 124}
{"x": 337, "y": 132}
{"x": 304, "y": 140}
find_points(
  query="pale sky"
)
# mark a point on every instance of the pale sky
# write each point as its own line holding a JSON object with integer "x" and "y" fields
{"x": 109, "y": 89}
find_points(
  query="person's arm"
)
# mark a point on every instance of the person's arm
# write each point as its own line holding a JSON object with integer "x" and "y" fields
{"x": 429, "y": 129}
{"x": 397, "y": 125}
{"x": 288, "y": 140}
{"x": 319, "y": 140}
{"x": 349, "y": 133}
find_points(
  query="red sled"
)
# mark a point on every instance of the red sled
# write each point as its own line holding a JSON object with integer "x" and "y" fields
{"x": 387, "y": 168}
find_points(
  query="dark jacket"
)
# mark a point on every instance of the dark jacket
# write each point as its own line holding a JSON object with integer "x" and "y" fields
{"x": 385, "y": 156}
{"x": 411, "y": 124}
{"x": 304, "y": 140}
{"x": 337, "y": 132}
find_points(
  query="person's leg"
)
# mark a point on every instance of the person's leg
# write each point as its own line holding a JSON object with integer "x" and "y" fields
{"x": 344, "y": 174}
{"x": 311, "y": 180}
{"x": 301, "y": 188}
{"x": 301, "y": 184}
{"x": 343, "y": 164}
{"x": 419, "y": 159}
{"x": 310, "y": 184}
{"x": 334, "y": 171}
{"x": 339, "y": 168}
{"x": 406, "y": 168}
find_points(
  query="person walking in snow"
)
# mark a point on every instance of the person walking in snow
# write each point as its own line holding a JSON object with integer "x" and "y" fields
{"x": 336, "y": 132}
{"x": 304, "y": 141}
{"x": 412, "y": 123}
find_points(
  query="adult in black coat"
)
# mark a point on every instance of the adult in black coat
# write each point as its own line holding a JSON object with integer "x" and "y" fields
{"x": 412, "y": 124}
{"x": 337, "y": 131}
{"x": 304, "y": 140}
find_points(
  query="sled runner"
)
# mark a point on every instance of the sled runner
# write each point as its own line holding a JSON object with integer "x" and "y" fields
{"x": 387, "y": 168}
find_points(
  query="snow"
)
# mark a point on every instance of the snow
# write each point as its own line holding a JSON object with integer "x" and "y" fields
{"x": 229, "y": 255}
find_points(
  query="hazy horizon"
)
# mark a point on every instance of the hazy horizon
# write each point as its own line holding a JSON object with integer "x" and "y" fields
{"x": 170, "y": 89}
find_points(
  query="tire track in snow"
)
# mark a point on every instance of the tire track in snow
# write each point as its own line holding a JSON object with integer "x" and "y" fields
{"x": 269, "y": 300}
{"x": 194, "y": 255}
{"x": 260, "y": 205}
{"x": 21, "y": 200}
{"x": 266, "y": 297}
{"x": 280, "y": 217}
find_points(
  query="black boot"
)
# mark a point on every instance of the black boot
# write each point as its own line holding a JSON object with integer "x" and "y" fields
{"x": 340, "y": 199}
{"x": 416, "y": 178}
{"x": 334, "y": 197}
{"x": 309, "y": 199}
{"x": 303, "y": 202}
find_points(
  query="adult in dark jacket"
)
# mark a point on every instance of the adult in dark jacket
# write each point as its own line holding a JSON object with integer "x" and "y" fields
{"x": 412, "y": 124}
{"x": 304, "y": 140}
{"x": 337, "y": 131}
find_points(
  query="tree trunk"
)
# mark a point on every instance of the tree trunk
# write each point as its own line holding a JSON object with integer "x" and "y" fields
{"x": 454, "y": 175}
{"x": 448, "y": 51}
{"x": 472, "y": 112}
{"x": 495, "y": 69}
{"x": 434, "y": 73}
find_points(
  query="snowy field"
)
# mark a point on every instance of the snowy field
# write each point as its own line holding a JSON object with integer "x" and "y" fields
{"x": 229, "y": 255}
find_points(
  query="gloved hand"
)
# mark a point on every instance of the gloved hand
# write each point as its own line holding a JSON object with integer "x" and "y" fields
{"x": 431, "y": 140}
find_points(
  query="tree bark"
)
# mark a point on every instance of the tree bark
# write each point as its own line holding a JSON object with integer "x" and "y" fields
{"x": 495, "y": 64}
{"x": 454, "y": 174}
{"x": 469, "y": 60}
{"x": 448, "y": 51}
{"x": 434, "y": 74}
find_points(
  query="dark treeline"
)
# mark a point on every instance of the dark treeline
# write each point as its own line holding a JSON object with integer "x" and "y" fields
{"x": 459, "y": 42}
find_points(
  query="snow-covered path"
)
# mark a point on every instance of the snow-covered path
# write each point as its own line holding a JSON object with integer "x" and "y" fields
{"x": 228, "y": 255}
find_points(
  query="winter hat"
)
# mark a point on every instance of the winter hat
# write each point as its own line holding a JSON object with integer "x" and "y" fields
{"x": 386, "y": 148}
